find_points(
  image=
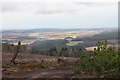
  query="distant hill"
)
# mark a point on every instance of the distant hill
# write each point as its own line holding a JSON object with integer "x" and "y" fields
{"x": 51, "y": 30}
{"x": 92, "y": 40}
{"x": 108, "y": 35}
{"x": 38, "y": 30}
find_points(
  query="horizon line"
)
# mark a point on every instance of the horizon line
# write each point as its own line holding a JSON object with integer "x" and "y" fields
{"x": 64, "y": 28}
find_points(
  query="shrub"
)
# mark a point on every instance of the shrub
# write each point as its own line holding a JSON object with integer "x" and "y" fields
{"x": 104, "y": 59}
{"x": 44, "y": 64}
{"x": 64, "y": 63}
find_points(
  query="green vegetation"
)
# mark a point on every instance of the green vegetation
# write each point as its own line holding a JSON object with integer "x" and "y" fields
{"x": 50, "y": 44}
{"x": 103, "y": 62}
{"x": 64, "y": 52}
{"x": 28, "y": 67}
{"x": 7, "y": 47}
{"x": 25, "y": 38}
{"x": 73, "y": 43}
{"x": 44, "y": 64}
{"x": 63, "y": 64}
{"x": 57, "y": 48}
{"x": 102, "y": 36}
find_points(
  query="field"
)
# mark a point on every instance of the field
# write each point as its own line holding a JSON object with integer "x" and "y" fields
{"x": 73, "y": 43}
{"x": 31, "y": 37}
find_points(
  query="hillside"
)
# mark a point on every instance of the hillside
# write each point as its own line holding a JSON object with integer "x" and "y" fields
{"x": 52, "y": 30}
{"x": 108, "y": 35}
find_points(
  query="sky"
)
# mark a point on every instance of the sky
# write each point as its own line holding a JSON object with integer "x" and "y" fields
{"x": 33, "y": 14}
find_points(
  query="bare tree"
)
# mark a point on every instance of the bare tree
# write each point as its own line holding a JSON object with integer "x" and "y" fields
{"x": 16, "y": 53}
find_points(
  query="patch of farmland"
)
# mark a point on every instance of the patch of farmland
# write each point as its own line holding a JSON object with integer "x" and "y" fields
{"x": 73, "y": 43}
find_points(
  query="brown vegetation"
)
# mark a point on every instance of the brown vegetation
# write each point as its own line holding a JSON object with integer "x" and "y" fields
{"x": 37, "y": 66}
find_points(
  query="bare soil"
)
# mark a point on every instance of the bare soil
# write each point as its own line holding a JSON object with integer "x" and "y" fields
{"x": 53, "y": 71}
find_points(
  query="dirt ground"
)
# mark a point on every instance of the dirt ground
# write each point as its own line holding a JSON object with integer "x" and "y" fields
{"x": 54, "y": 71}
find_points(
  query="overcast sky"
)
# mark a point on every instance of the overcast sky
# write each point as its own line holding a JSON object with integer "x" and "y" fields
{"x": 31, "y": 14}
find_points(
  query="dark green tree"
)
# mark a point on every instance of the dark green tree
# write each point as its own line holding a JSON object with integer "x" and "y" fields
{"x": 64, "y": 52}
{"x": 53, "y": 52}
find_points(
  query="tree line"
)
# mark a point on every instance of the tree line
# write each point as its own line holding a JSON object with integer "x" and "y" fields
{"x": 64, "y": 51}
{"x": 7, "y": 47}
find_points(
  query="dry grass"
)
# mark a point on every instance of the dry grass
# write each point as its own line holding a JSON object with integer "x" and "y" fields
{"x": 26, "y": 57}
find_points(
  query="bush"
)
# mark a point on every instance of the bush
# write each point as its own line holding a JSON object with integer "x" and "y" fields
{"x": 104, "y": 59}
{"x": 44, "y": 64}
{"x": 64, "y": 63}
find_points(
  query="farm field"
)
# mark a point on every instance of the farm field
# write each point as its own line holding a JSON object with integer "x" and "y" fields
{"x": 72, "y": 43}
{"x": 29, "y": 38}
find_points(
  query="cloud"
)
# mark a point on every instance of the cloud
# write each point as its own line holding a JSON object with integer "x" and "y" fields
{"x": 49, "y": 7}
{"x": 52, "y": 8}
{"x": 59, "y": 0}
{"x": 95, "y": 3}
{"x": 14, "y": 6}
{"x": 62, "y": 13}
{"x": 39, "y": 8}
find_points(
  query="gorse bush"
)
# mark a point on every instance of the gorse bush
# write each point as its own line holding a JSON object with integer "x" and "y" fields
{"x": 104, "y": 61}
